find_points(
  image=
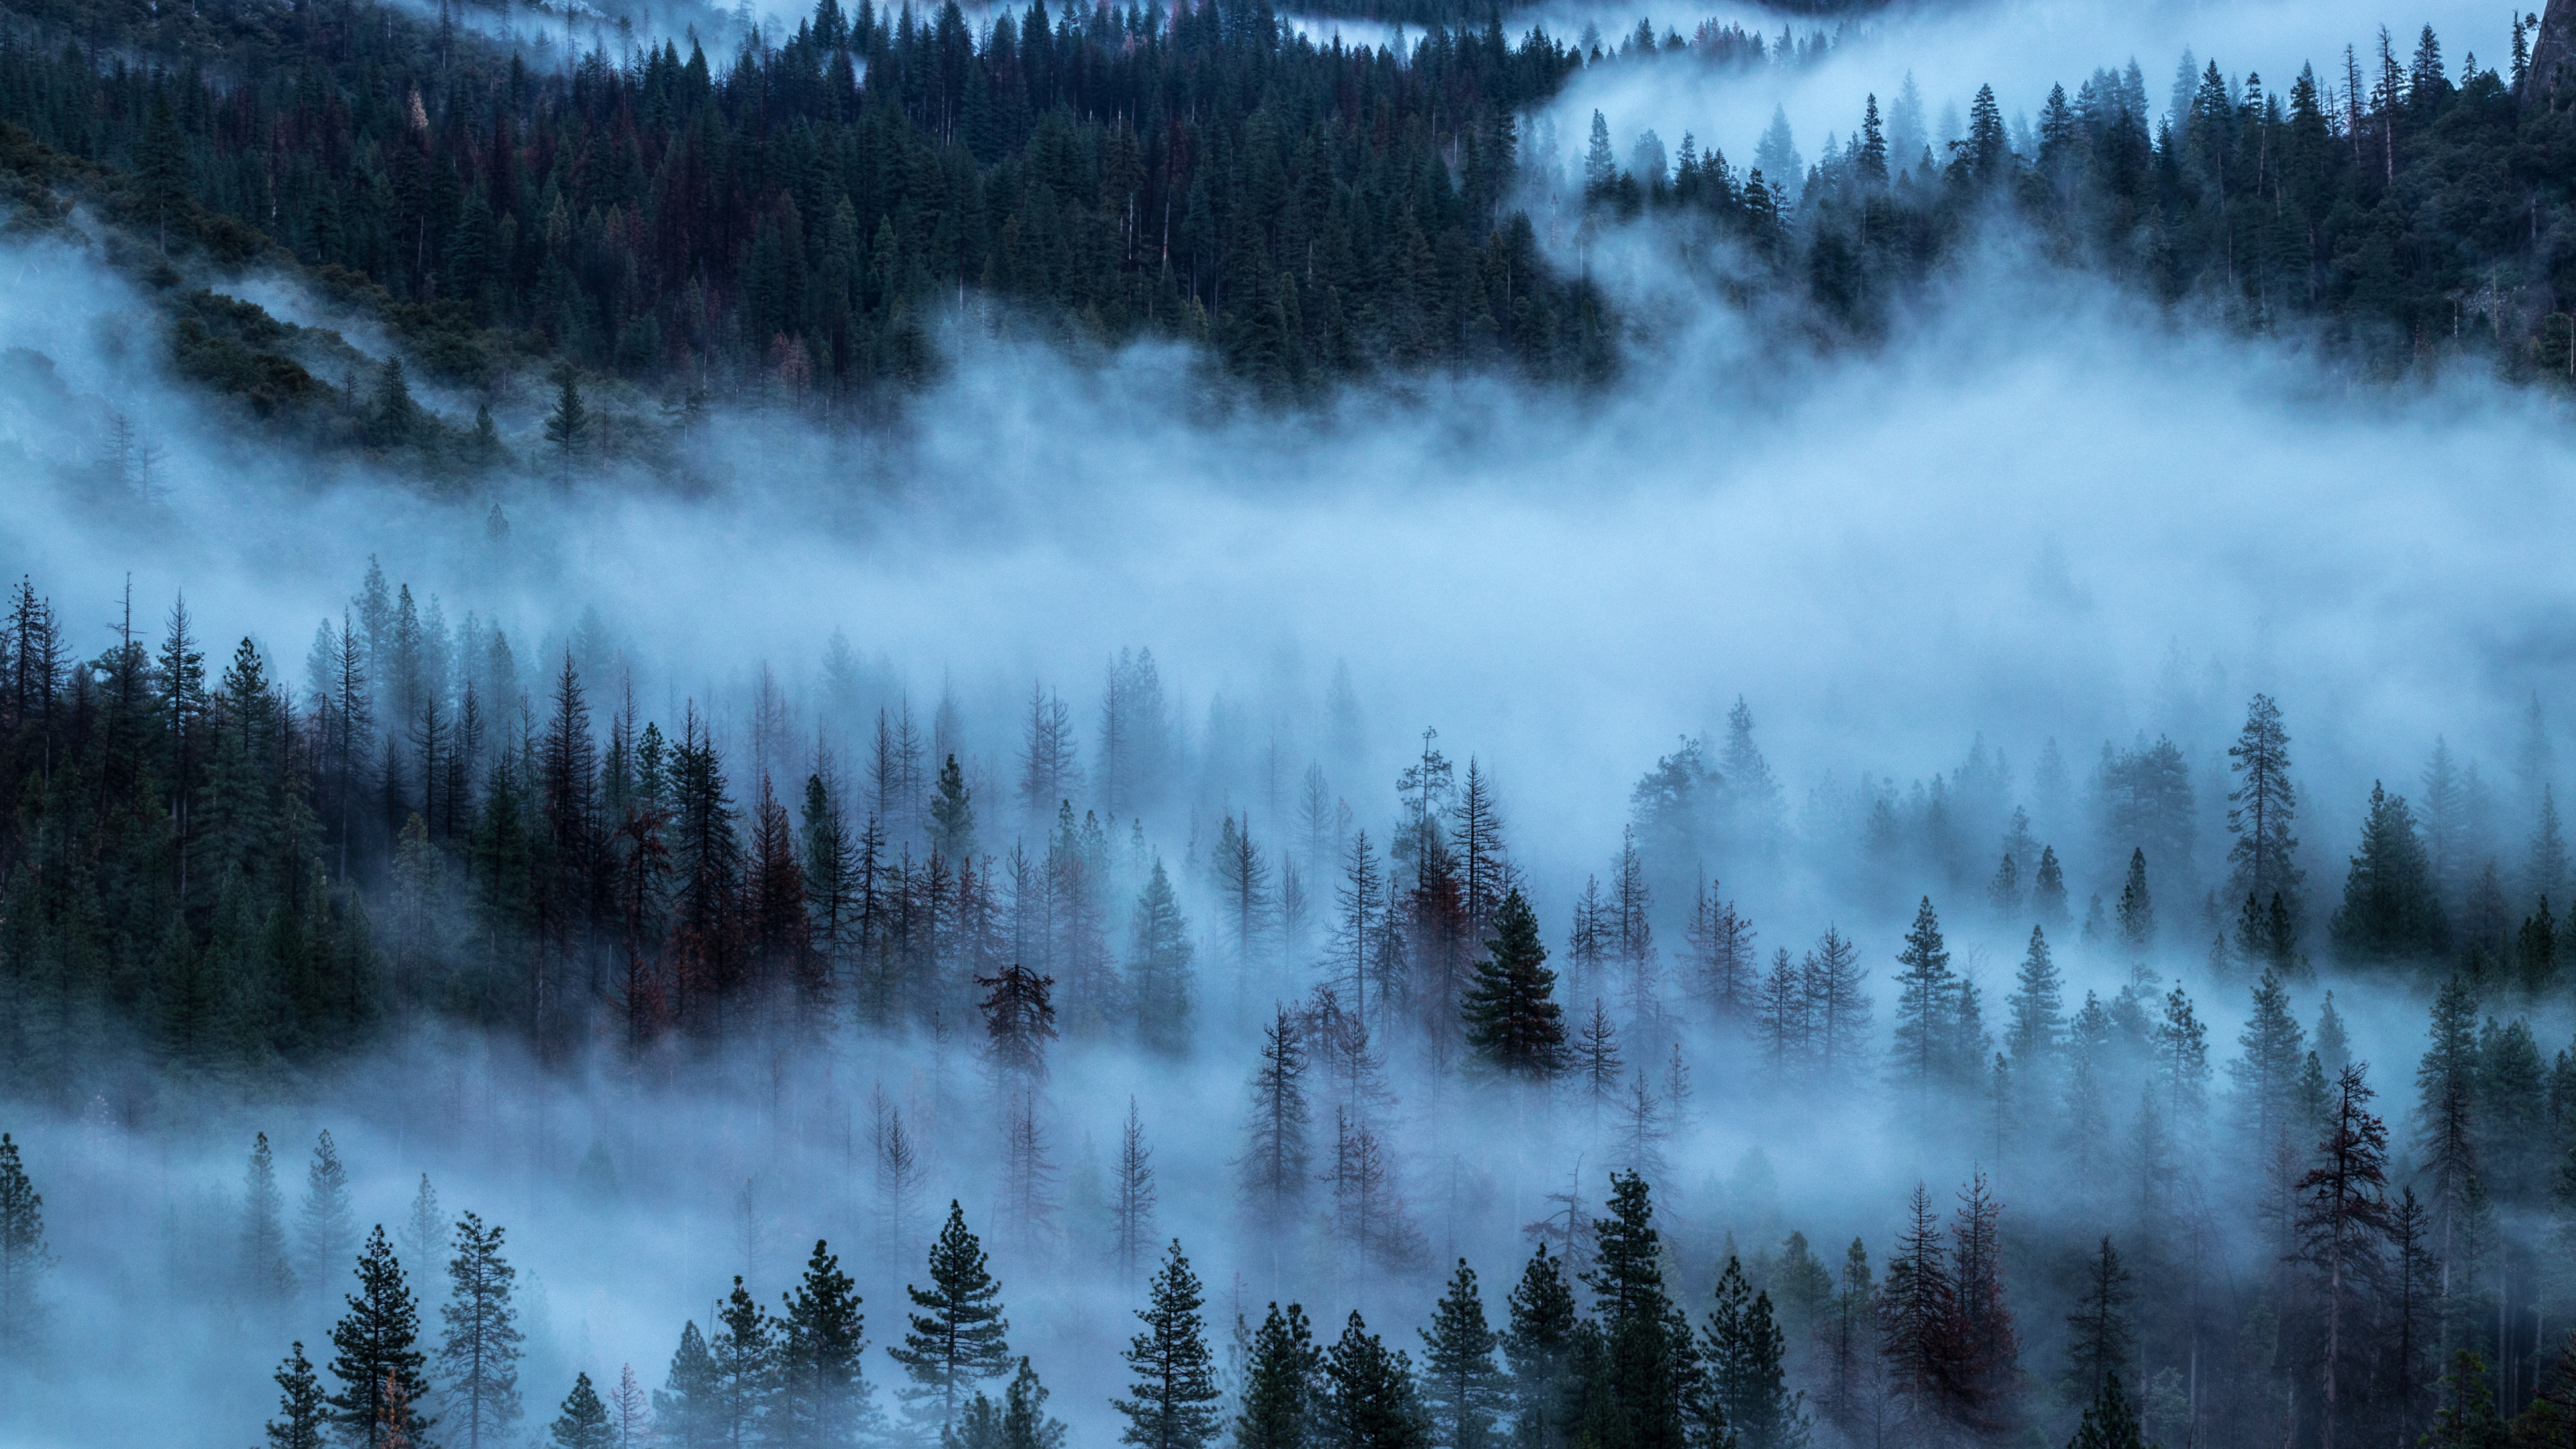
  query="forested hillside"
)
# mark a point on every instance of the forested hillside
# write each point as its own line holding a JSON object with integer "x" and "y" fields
{"x": 793, "y": 219}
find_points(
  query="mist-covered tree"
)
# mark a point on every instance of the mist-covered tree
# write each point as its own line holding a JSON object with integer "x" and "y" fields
{"x": 743, "y": 1382}
{"x": 583, "y": 1424}
{"x": 1158, "y": 965}
{"x": 2390, "y": 914}
{"x": 265, "y": 1274}
{"x": 1925, "y": 994}
{"x": 376, "y": 1351}
{"x": 1597, "y": 1063}
{"x": 1019, "y": 1020}
{"x": 1275, "y": 1156}
{"x": 1369, "y": 1399}
{"x": 1465, "y": 1392}
{"x": 1647, "y": 1382}
{"x": 303, "y": 1414}
{"x": 1746, "y": 1355}
{"x": 822, "y": 1398}
{"x": 2098, "y": 1335}
{"x": 326, "y": 1228}
{"x": 2109, "y": 1422}
{"x": 1513, "y": 1021}
{"x": 2048, "y": 891}
{"x": 2136, "y": 911}
{"x": 686, "y": 1409}
{"x": 478, "y": 1359}
{"x": 1538, "y": 1342}
{"x": 2263, "y": 860}
{"x": 952, "y": 814}
{"x": 568, "y": 422}
{"x": 2342, "y": 1230}
{"x": 1173, "y": 1401}
{"x": 1282, "y": 1384}
{"x": 2035, "y": 1014}
{"x": 1132, "y": 1196}
{"x": 1018, "y": 1421}
{"x": 957, "y": 1335}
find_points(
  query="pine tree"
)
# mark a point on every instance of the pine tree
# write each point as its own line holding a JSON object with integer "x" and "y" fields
{"x": 1368, "y": 1399}
{"x": 1174, "y": 1398}
{"x": 2048, "y": 891}
{"x": 1925, "y": 991}
{"x": 1745, "y": 1351}
{"x": 1597, "y": 1063}
{"x": 376, "y": 1348}
{"x": 1282, "y": 1383}
{"x": 1019, "y": 1020}
{"x": 742, "y": 1369}
{"x": 2108, "y": 1421}
{"x": 957, "y": 1333}
{"x": 1513, "y": 1021}
{"x": 480, "y": 1357}
{"x": 2389, "y": 912}
{"x": 302, "y": 1411}
{"x": 264, "y": 1272}
{"x": 686, "y": 1409}
{"x": 2097, "y": 1332}
{"x": 1158, "y": 971}
{"x": 568, "y": 422}
{"x": 2446, "y": 1110}
{"x": 1464, "y": 1389}
{"x": 583, "y": 1424}
{"x": 1131, "y": 1206}
{"x": 2136, "y": 911}
{"x": 822, "y": 1389}
{"x": 630, "y": 1412}
{"x": 2037, "y": 1011}
{"x": 2262, "y": 863}
{"x": 326, "y": 1229}
{"x": 1275, "y": 1159}
{"x": 2342, "y": 1221}
{"x": 1538, "y": 1341}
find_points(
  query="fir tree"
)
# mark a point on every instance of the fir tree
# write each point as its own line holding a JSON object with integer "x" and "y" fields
{"x": 1368, "y": 1399}
{"x": 264, "y": 1271}
{"x": 1158, "y": 971}
{"x": 1539, "y": 1342}
{"x": 1513, "y": 1021}
{"x": 1462, "y": 1386}
{"x": 957, "y": 1333}
{"x": 326, "y": 1229}
{"x": 2136, "y": 911}
{"x": 2262, "y": 863}
{"x": 1745, "y": 1351}
{"x": 685, "y": 1408}
{"x": 2097, "y": 1331}
{"x": 822, "y": 1392}
{"x": 2389, "y": 912}
{"x": 2048, "y": 891}
{"x": 1282, "y": 1383}
{"x": 1173, "y": 1400}
{"x": 583, "y": 1424}
{"x": 568, "y": 422}
{"x": 2108, "y": 1421}
{"x": 1132, "y": 1200}
{"x": 376, "y": 1350}
{"x": 742, "y": 1369}
{"x": 302, "y": 1411}
{"x": 1275, "y": 1159}
{"x": 1925, "y": 992}
{"x": 480, "y": 1357}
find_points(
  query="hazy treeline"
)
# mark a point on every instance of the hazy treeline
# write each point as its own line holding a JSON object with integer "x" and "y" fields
{"x": 216, "y": 877}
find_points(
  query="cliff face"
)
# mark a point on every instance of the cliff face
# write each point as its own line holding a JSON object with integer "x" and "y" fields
{"x": 2553, "y": 58}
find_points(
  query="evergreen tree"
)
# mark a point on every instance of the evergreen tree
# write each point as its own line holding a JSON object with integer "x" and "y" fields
{"x": 822, "y": 1390}
{"x": 302, "y": 1412}
{"x": 23, "y": 1255}
{"x": 1645, "y": 1386}
{"x": 583, "y": 1424}
{"x": 2108, "y": 1421}
{"x": 2097, "y": 1332}
{"x": 1132, "y": 1200}
{"x": 952, "y": 814}
{"x": 685, "y": 1408}
{"x": 568, "y": 422}
{"x": 1283, "y": 1380}
{"x": 1513, "y": 1021}
{"x": 1018, "y": 1421}
{"x": 1745, "y": 1352}
{"x": 2048, "y": 891}
{"x": 1158, "y": 971}
{"x": 1274, "y": 1160}
{"x": 2389, "y": 912}
{"x": 2262, "y": 863}
{"x": 957, "y": 1333}
{"x": 265, "y": 1274}
{"x": 1174, "y": 1398}
{"x": 480, "y": 1357}
{"x": 2037, "y": 1011}
{"x": 2136, "y": 911}
{"x": 2342, "y": 1223}
{"x": 326, "y": 1229}
{"x": 1539, "y": 1342}
{"x": 377, "y": 1358}
{"x": 743, "y": 1380}
{"x": 1368, "y": 1399}
{"x": 1926, "y": 990}
{"x": 1463, "y": 1388}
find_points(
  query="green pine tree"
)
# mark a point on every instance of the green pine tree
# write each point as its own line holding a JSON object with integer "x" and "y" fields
{"x": 479, "y": 1358}
{"x": 1513, "y": 1020}
{"x": 1158, "y": 970}
{"x": 568, "y": 423}
{"x": 2390, "y": 912}
{"x": 822, "y": 1394}
{"x": 301, "y": 1410}
{"x": 744, "y": 1358}
{"x": 1368, "y": 1399}
{"x": 952, "y": 814}
{"x": 583, "y": 1424}
{"x": 377, "y": 1353}
{"x": 1539, "y": 1341}
{"x": 1465, "y": 1390}
{"x": 685, "y": 1408}
{"x": 1744, "y": 1349}
{"x": 2108, "y": 1421}
{"x": 23, "y": 1255}
{"x": 1174, "y": 1398}
{"x": 957, "y": 1334}
{"x": 1281, "y": 1383}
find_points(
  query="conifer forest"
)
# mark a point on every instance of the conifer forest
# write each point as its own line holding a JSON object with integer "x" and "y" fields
{"x": 1393, "y": 725}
